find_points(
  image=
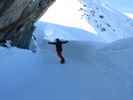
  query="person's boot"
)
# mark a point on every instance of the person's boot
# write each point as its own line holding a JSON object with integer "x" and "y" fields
{"x": 62, "y": 61}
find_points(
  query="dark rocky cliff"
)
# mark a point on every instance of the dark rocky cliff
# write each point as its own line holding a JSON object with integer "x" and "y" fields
{"x": 17, "y": 18}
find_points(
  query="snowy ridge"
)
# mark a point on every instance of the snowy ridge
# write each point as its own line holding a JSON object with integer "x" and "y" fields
{"x": 52, "y": 31}
{"x": 118, "y": 45}
{"x": 110, "y": 24}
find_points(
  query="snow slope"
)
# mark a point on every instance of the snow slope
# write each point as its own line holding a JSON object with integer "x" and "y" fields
{"x": 109, "y": 23}
{"x": 93, "y": 71}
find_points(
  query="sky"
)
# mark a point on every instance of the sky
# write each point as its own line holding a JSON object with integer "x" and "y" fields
{"x": 66, "y": 12}
{"x": 122, "y": 5}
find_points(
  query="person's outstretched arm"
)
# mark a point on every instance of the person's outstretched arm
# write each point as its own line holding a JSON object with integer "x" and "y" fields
{"x": 51, "y": 43}
{"x": 65, "y": 42}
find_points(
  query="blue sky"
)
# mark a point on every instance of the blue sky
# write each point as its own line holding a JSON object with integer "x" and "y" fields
{"x": 122, "y": 5}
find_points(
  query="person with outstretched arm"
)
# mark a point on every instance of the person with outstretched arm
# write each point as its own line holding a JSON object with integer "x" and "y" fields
{"x": 59, "y": 49}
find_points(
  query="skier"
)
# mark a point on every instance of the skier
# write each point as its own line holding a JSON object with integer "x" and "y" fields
{"x": 58, "y": 43}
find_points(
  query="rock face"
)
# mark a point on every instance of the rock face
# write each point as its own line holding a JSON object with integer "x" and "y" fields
{"x": 17, "y": 18}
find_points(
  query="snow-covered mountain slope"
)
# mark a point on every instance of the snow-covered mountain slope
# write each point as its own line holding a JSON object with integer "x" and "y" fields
{"x": 92, "y": 71}
{"x": 109, "y": 23}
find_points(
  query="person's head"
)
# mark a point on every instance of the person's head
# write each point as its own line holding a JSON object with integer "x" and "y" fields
{"x": 57, "y": 40}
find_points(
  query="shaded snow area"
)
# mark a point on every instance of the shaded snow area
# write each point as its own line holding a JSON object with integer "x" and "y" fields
{"x": 93, "y": 71}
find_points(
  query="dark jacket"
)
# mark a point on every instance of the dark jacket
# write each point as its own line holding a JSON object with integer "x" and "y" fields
{"x": 58, "y": 45}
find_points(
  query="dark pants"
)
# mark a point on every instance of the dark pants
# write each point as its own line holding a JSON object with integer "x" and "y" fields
{"x": 60, "y": 55}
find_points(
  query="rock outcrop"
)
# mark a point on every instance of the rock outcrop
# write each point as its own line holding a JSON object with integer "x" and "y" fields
{"x": 17, "y": 18}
